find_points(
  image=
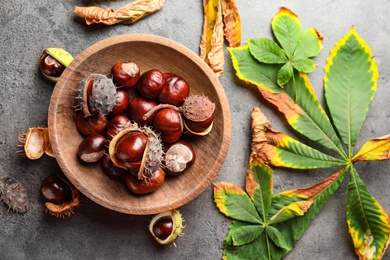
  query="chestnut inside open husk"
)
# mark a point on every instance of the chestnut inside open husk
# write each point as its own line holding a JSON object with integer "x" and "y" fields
{"x": 61, "y": 197}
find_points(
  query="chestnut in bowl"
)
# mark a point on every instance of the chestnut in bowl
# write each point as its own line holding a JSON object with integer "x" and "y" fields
{"x": 149, "y": 52}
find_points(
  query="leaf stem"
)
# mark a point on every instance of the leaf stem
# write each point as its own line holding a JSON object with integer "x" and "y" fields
{"x": 268, "y": 245}
{"x": 295, "y": 88}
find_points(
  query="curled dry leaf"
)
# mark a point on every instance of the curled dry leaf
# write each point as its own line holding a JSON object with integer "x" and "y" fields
{"x": 211, "y": 44}
{"x": 232, "y": 21}
{"x": 221, "y": 18}
{"x": 260, "y": 124}
{"x": 127, "y": 14}
{"x": 35, "y": 142}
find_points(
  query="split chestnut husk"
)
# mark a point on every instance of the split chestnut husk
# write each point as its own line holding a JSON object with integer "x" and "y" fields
{"x": 166, "y": 227}
{"x": 96, "y": 94}
{"x": 35, "y": 142}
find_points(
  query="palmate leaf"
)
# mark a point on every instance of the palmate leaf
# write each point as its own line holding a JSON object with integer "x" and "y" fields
{"x": 307, "y": 116}
{"x": 350, "y": 83}
{"x": 273, "y": 240}
{"x": 368, "y": 222}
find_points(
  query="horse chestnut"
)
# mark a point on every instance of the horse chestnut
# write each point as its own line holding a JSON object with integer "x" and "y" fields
{"x": 55, "y": 189}
{"x": 151, "y": 84}
{"x": 169, "y": 124}
{"x": 131, "y": 147}
{"x": 147, "y": 185}
{"x": 91, "y": 125}
{"x": 121, "y": 103}
{"x": 125, "y": 74}
{"x": 166, "y": 227}
{"x": 49, "y": 66}
{"x": 175, "y": 90}
{"x": 92, "y": 148}
{"x": 110, "y": 170}
{"x": 140, "y": 106}
{"x": 115, "y": 125}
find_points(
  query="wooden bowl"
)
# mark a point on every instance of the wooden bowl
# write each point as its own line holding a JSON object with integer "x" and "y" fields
{"x": 148, "y": 52}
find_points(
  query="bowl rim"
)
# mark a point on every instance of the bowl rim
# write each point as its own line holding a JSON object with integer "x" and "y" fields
{"x": 119, "y": 39}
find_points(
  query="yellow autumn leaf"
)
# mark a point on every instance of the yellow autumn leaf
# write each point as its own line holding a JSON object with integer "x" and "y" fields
{"x": 374, "y": 150}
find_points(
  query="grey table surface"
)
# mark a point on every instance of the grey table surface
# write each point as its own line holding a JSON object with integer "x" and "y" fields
{"x": 94, "y": 232}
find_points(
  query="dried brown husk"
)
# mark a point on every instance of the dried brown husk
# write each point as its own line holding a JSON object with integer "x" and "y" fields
{"x": 66, "y": 208}
{"x": 35, "y": 142}
{"x": 127, "y": 14}
{"x": 211, "y": 44}
{"x": 232, "y": 22}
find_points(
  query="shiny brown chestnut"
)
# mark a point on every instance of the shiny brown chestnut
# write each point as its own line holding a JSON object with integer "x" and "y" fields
{"x": 168, "y": 123}
{"x": 49, "y": 66}
{"x": 178, "y": 157}
{"x": 110, "y": 170}
{"x": 131, "y": 147}
{"x": 147, "y": 185}
{"x": 163, "y": 227}
{"x": 151, "y": 84}
{"x": 91, "y": 125}
{"x": 121, "y": 104}
{"x": 175, "y": 90}
{"x": 125, "y": 74}
{"x": 53, "y": 62}
{"x": 115, "y": 125}
{"x": 92, "y": 148}
{"x": 140, "y": 106}
{"x": 55, "y": 189}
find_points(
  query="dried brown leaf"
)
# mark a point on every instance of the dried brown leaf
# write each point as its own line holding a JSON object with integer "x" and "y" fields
{"x": 127, "y": 14}
{"x": 260, "y": 125}
{"x": 232, "y": 21}
{"x": 211, "y": 44}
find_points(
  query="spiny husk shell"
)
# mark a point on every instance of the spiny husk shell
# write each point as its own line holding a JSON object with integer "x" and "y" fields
{"x": 66, "y": 208}
{"x": 176, "y": 229}
{"x": 153, "y": 154}
{"x": 35, "y": 142}
{"x": 197, "y": 108}
{"x": 14, "y": 194}
{"x": 103, "y": 94}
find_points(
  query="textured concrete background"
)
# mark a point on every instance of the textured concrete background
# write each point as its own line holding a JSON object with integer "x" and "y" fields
{"x": 27, "y": 27}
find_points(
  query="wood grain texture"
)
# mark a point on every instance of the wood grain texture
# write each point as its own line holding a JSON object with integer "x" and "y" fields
{"x": 148, "y": 52}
